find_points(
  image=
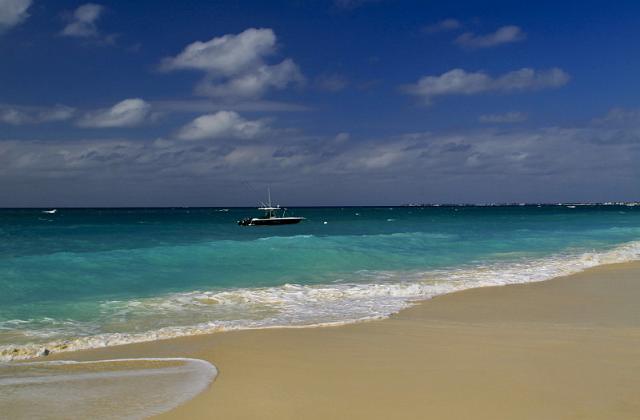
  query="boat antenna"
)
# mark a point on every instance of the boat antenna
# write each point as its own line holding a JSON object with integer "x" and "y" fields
{"x": 269, "y": 194}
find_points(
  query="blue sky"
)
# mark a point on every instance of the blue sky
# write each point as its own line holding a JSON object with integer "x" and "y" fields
{"x": 118, "y": 103}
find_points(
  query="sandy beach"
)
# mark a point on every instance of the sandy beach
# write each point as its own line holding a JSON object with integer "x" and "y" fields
{"x": 319, "y": 210}
{"x": 568, "y": 348}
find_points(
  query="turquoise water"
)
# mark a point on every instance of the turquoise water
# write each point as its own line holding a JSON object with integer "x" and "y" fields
{"x": 84, "y": 278}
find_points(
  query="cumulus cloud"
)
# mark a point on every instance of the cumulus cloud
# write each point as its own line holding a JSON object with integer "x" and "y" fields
{"x": 83, "y": 21}
{"x": 506, "y": 164}
{"x": 235, "y": 65}
{"x": 127, "y": 113}
{"x": 222, "y": 125}
{"x": 505, "y": 118}
{"x": 12, "y": 13}
{"x": 461, "y": 82}
{"x": 443, "y": 26}
{"x": 504, "y": 35}
{"x": 538, "y": 151}
{"x": 228, "y": 54}
{"x": 21, "y": 115}
{"x": 252, "y": 84}
{"x": 470, "y": 158}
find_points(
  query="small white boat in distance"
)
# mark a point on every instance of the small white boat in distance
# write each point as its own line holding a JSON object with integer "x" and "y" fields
{"x": 53, "y": 211}
{"x": 271, "y": 217}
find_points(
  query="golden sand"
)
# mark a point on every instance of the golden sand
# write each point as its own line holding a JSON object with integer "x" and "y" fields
{"x": 568, "y": 348}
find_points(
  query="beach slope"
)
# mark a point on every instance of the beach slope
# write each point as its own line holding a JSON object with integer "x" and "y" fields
{"x": 568, "y": 348}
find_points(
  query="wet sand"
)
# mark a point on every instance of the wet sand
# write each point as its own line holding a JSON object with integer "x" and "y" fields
{"x": 567, "y": 348}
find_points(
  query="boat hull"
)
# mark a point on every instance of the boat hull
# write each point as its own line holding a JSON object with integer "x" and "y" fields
{"x": 274, "y": 221}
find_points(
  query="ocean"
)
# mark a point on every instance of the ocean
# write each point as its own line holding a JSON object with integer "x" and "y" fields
{"x": 86, "y": 278}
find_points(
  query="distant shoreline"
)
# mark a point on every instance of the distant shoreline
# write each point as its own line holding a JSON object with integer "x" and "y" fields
{"x": 435, "y": 205}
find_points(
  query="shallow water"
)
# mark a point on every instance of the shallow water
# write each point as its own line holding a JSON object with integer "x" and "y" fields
{"x": 83, "y": 278}
{"x": 106, "y": 389}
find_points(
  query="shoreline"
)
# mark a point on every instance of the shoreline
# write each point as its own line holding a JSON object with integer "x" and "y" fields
{"x": 369, "y": 302}
{"x": 582, "y": 331}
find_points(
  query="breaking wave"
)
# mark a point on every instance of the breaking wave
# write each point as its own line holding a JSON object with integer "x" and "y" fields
{"x": 376, "y": 294}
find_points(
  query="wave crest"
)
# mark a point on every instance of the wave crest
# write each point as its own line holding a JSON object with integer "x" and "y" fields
{"x": 380, "y": 294}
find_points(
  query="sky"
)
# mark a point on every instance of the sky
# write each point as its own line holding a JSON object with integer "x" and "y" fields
{"x": 330, "y": 102}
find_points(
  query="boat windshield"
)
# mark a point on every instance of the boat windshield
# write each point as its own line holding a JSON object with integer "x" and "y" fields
{"x": 270, "y": 212}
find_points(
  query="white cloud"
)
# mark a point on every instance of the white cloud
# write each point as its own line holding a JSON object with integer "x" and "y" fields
{"x": 235, "y": 65}
{"x": 20, "y": 115}
{"x": 504, "y": 35}
{"x": 57, "y": 113}
{"x": 127, "y": 113}
{"x": 228, "y": 54}
{"x": 461, "y": 82}
{"x": 83, "y": 21}
{"x": 222, "y": 124}
{"x": 13, "y": 117}
{"x": 380, "y": 157}
{"x": 252, "y": 84}
{"x": 443, "y": 25}
{"x": 486, "y": 164}
{"x": 249, "y": 155}
{"x": 12, "y": 13}
{"x": 505, "y": 118}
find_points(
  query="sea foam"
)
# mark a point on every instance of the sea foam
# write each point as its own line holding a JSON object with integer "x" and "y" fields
{"x": 378, "y": 294}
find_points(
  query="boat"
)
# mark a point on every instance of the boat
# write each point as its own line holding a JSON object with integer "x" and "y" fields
{"x": 273, "y": 216}
{"x": 50, "y": 211}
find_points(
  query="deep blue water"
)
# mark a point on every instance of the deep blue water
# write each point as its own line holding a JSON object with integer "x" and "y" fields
{"x": 83, "y": 273}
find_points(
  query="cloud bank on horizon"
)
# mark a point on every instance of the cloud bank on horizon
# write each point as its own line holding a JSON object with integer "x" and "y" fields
{"x": 459, "y": 108}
